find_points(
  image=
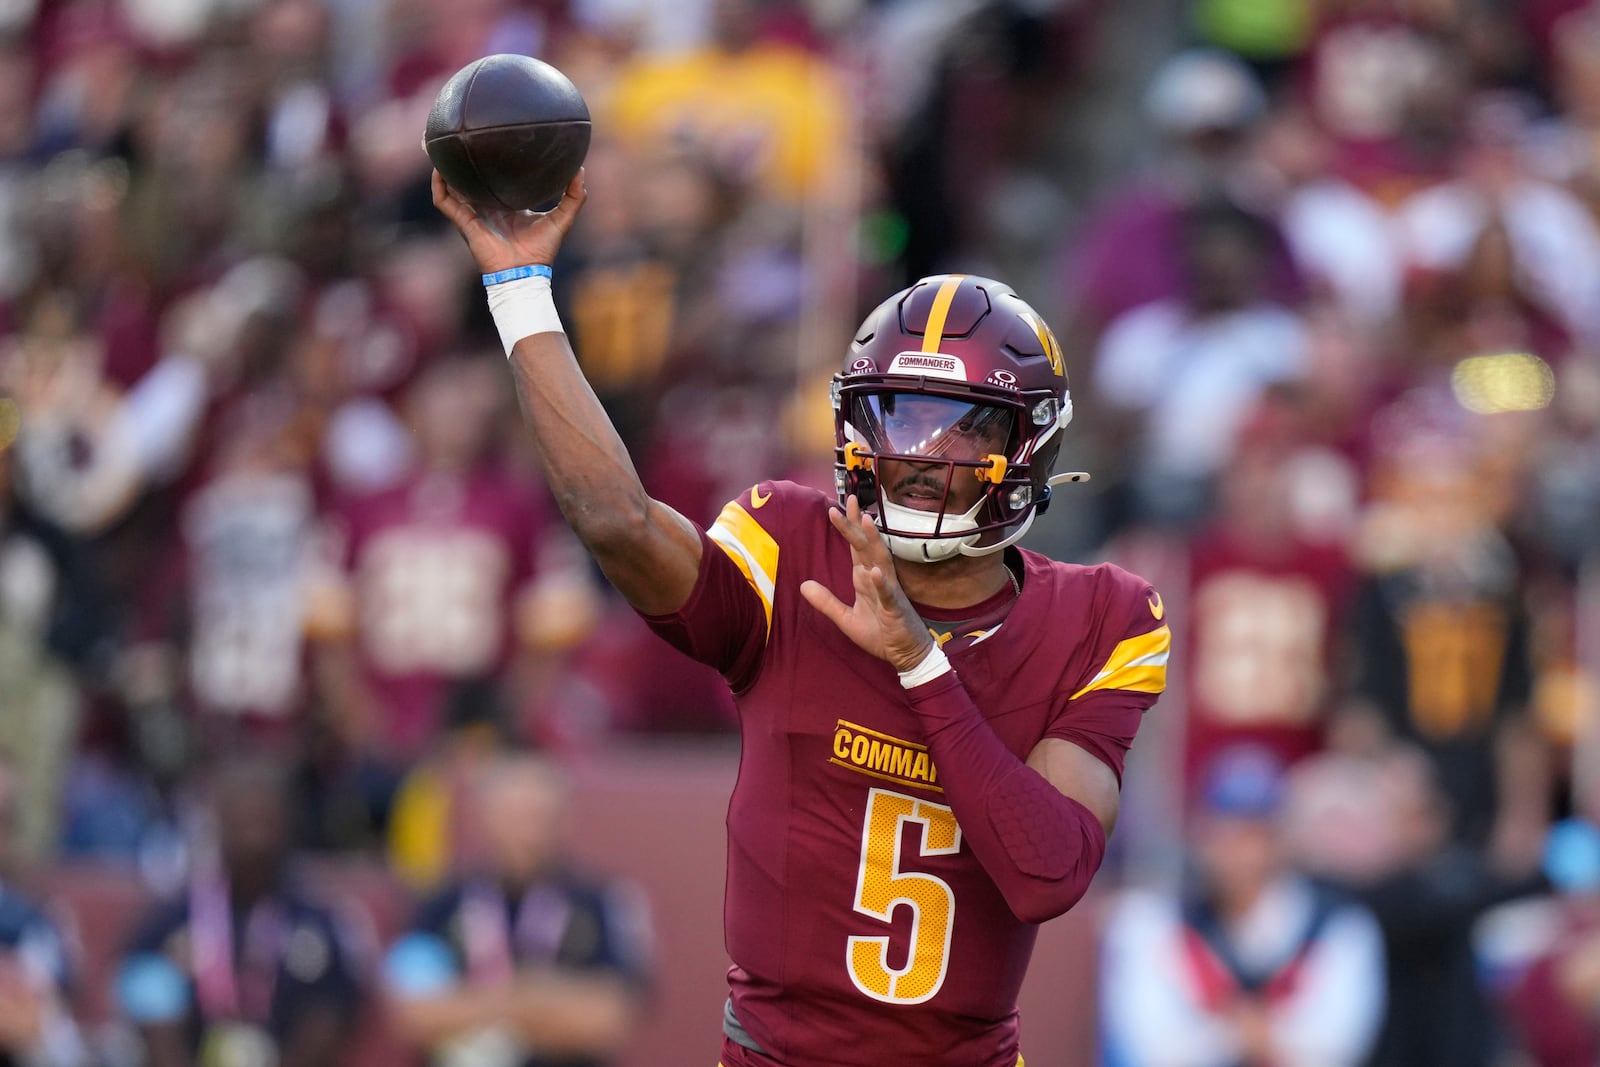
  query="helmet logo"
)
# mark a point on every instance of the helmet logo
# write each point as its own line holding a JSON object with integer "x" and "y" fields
{"x": 1047, "y": 341}
{"x": 929, "y": 364}
{"x": 1003, "y": 378}
{"x": 861, "y": 365}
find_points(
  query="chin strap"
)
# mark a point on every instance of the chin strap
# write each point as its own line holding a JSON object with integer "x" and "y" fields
{"x": 1016, "y": 535}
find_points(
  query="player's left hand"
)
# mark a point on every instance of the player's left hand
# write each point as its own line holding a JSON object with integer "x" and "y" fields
{"x": 881, "y": 620}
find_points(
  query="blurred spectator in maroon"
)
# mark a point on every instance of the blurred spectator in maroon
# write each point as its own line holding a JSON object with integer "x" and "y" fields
{"x": 1545, "y": 264}
{"x": 1385, "y": 82}
{"x": 1440, "y": 629}
{"x": 522, "y": 961}
{"x": 1205, "y": 106}
{"x": 1266, "y": 606}
{"x": 1556, "y": 1000}
{"x": 92, "y": 78}
{"x": 1183, "y": 374}
{"x": 446, "y": 575}
{"x": 224, "y": 611}
{"x": 1254, "y": 965}
{"x": 244, "y": 966}
{"x": 302, "y": 123}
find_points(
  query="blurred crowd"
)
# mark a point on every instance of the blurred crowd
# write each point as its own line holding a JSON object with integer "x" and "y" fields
{"x": 1328, "y": 274}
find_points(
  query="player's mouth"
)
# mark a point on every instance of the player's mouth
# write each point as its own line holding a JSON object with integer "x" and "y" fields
{"x": 920, "y": 494}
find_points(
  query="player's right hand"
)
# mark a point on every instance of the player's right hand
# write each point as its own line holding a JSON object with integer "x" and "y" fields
{"x": 501, "y": 240}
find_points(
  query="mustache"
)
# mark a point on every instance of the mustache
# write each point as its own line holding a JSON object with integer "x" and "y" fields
{"x": 933, "y": 483}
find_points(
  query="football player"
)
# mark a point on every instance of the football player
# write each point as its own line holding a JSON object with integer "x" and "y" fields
{"x": 934, "y": 720}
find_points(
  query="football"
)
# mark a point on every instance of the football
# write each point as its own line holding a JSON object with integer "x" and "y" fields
{"x": 508, "y": 132}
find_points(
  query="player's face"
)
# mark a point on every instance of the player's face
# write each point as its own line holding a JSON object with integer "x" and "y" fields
{"x": 940, "y": 429}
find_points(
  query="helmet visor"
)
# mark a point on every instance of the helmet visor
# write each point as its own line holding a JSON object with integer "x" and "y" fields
{"x": 915, "y": 424}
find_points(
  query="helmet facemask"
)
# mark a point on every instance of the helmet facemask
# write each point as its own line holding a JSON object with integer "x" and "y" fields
{"x": 967, "y": 357}
{"x": 942, "y": 448}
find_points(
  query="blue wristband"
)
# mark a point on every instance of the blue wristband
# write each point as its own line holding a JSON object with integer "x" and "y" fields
{"x": 511, "y": 274}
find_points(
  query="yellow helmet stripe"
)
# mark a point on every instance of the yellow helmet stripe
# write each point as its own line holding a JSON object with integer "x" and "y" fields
{"x": 933, "y": 336}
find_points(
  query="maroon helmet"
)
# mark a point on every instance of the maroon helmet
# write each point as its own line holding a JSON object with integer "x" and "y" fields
{"x": 959, "y": 378}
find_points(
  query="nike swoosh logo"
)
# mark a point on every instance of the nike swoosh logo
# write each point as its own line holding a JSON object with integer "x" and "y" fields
{"x": 1156, "y": 607}
{"x": 759, "y": 501}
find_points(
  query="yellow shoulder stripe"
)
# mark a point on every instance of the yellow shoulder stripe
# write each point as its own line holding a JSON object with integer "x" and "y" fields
{"x": 1138, "y": 664}
{"x": 752, "y": 550}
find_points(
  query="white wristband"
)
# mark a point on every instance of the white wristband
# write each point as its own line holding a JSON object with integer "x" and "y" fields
{"x": 521, "y": 308}
{"x": 933, "y": 665}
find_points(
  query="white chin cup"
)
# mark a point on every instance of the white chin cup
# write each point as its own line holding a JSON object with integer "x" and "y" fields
{"x": 927, "y": 549}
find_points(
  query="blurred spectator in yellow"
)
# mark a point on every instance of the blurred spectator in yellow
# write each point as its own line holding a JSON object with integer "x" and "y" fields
{"x": 433, "y": 826}
{"x": 769, "y": 112}
{"x": 1440, "y": 628}
{"x": 36, "y": 1024}
{"x": 1254, "y": 966}
{"x": 242, "y": 967}
{"x": 522, "y": 962}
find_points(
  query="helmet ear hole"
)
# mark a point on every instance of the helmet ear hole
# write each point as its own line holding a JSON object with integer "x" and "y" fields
{"x": 866, "y": 488}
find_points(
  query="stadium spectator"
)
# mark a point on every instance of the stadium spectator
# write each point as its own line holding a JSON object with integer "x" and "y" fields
{"x": 445, "y": 574}
{"x": 242, "y": 966}
{"x": 1132, "y": 251}
{"x": 1439, "y": 624}
{"x": 39, "y": 729}
{"x": 36, "y": 1024}
{"x": 1253, "y": 965}
{"x": 1552, "y": 1002}
{"x": 1427, "y": 892}
{"x": 1186, "y": 372}
{"x": 1266, "y": 609}
{"x": 522, "y": 961}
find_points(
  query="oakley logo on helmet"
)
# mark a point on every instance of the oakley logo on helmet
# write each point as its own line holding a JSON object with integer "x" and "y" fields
{"x": 931, "y": 365}
{"x": 860, "y": 366}
{"x": 1003, "y": 378}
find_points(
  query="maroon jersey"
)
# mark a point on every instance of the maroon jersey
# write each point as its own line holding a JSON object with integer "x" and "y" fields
{"x": 436, "y": 563}
{"x": 862, "y": 929}
{"x": 1261, "y": 646}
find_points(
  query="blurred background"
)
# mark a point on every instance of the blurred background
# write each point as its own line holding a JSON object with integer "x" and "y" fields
{"x": 284, "y": 605}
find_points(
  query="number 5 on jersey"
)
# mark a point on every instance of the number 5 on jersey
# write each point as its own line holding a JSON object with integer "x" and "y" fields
{"x": 882, "y": 886}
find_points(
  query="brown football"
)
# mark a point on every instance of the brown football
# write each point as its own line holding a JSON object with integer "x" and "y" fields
{"x": 508, "y": 132}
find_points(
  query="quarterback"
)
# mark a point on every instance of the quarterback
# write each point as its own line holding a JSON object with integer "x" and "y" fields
{"x": 934, "y": 720}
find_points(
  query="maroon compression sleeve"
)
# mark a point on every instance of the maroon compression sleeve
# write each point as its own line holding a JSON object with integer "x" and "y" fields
{"x": 1040, "y": 846}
